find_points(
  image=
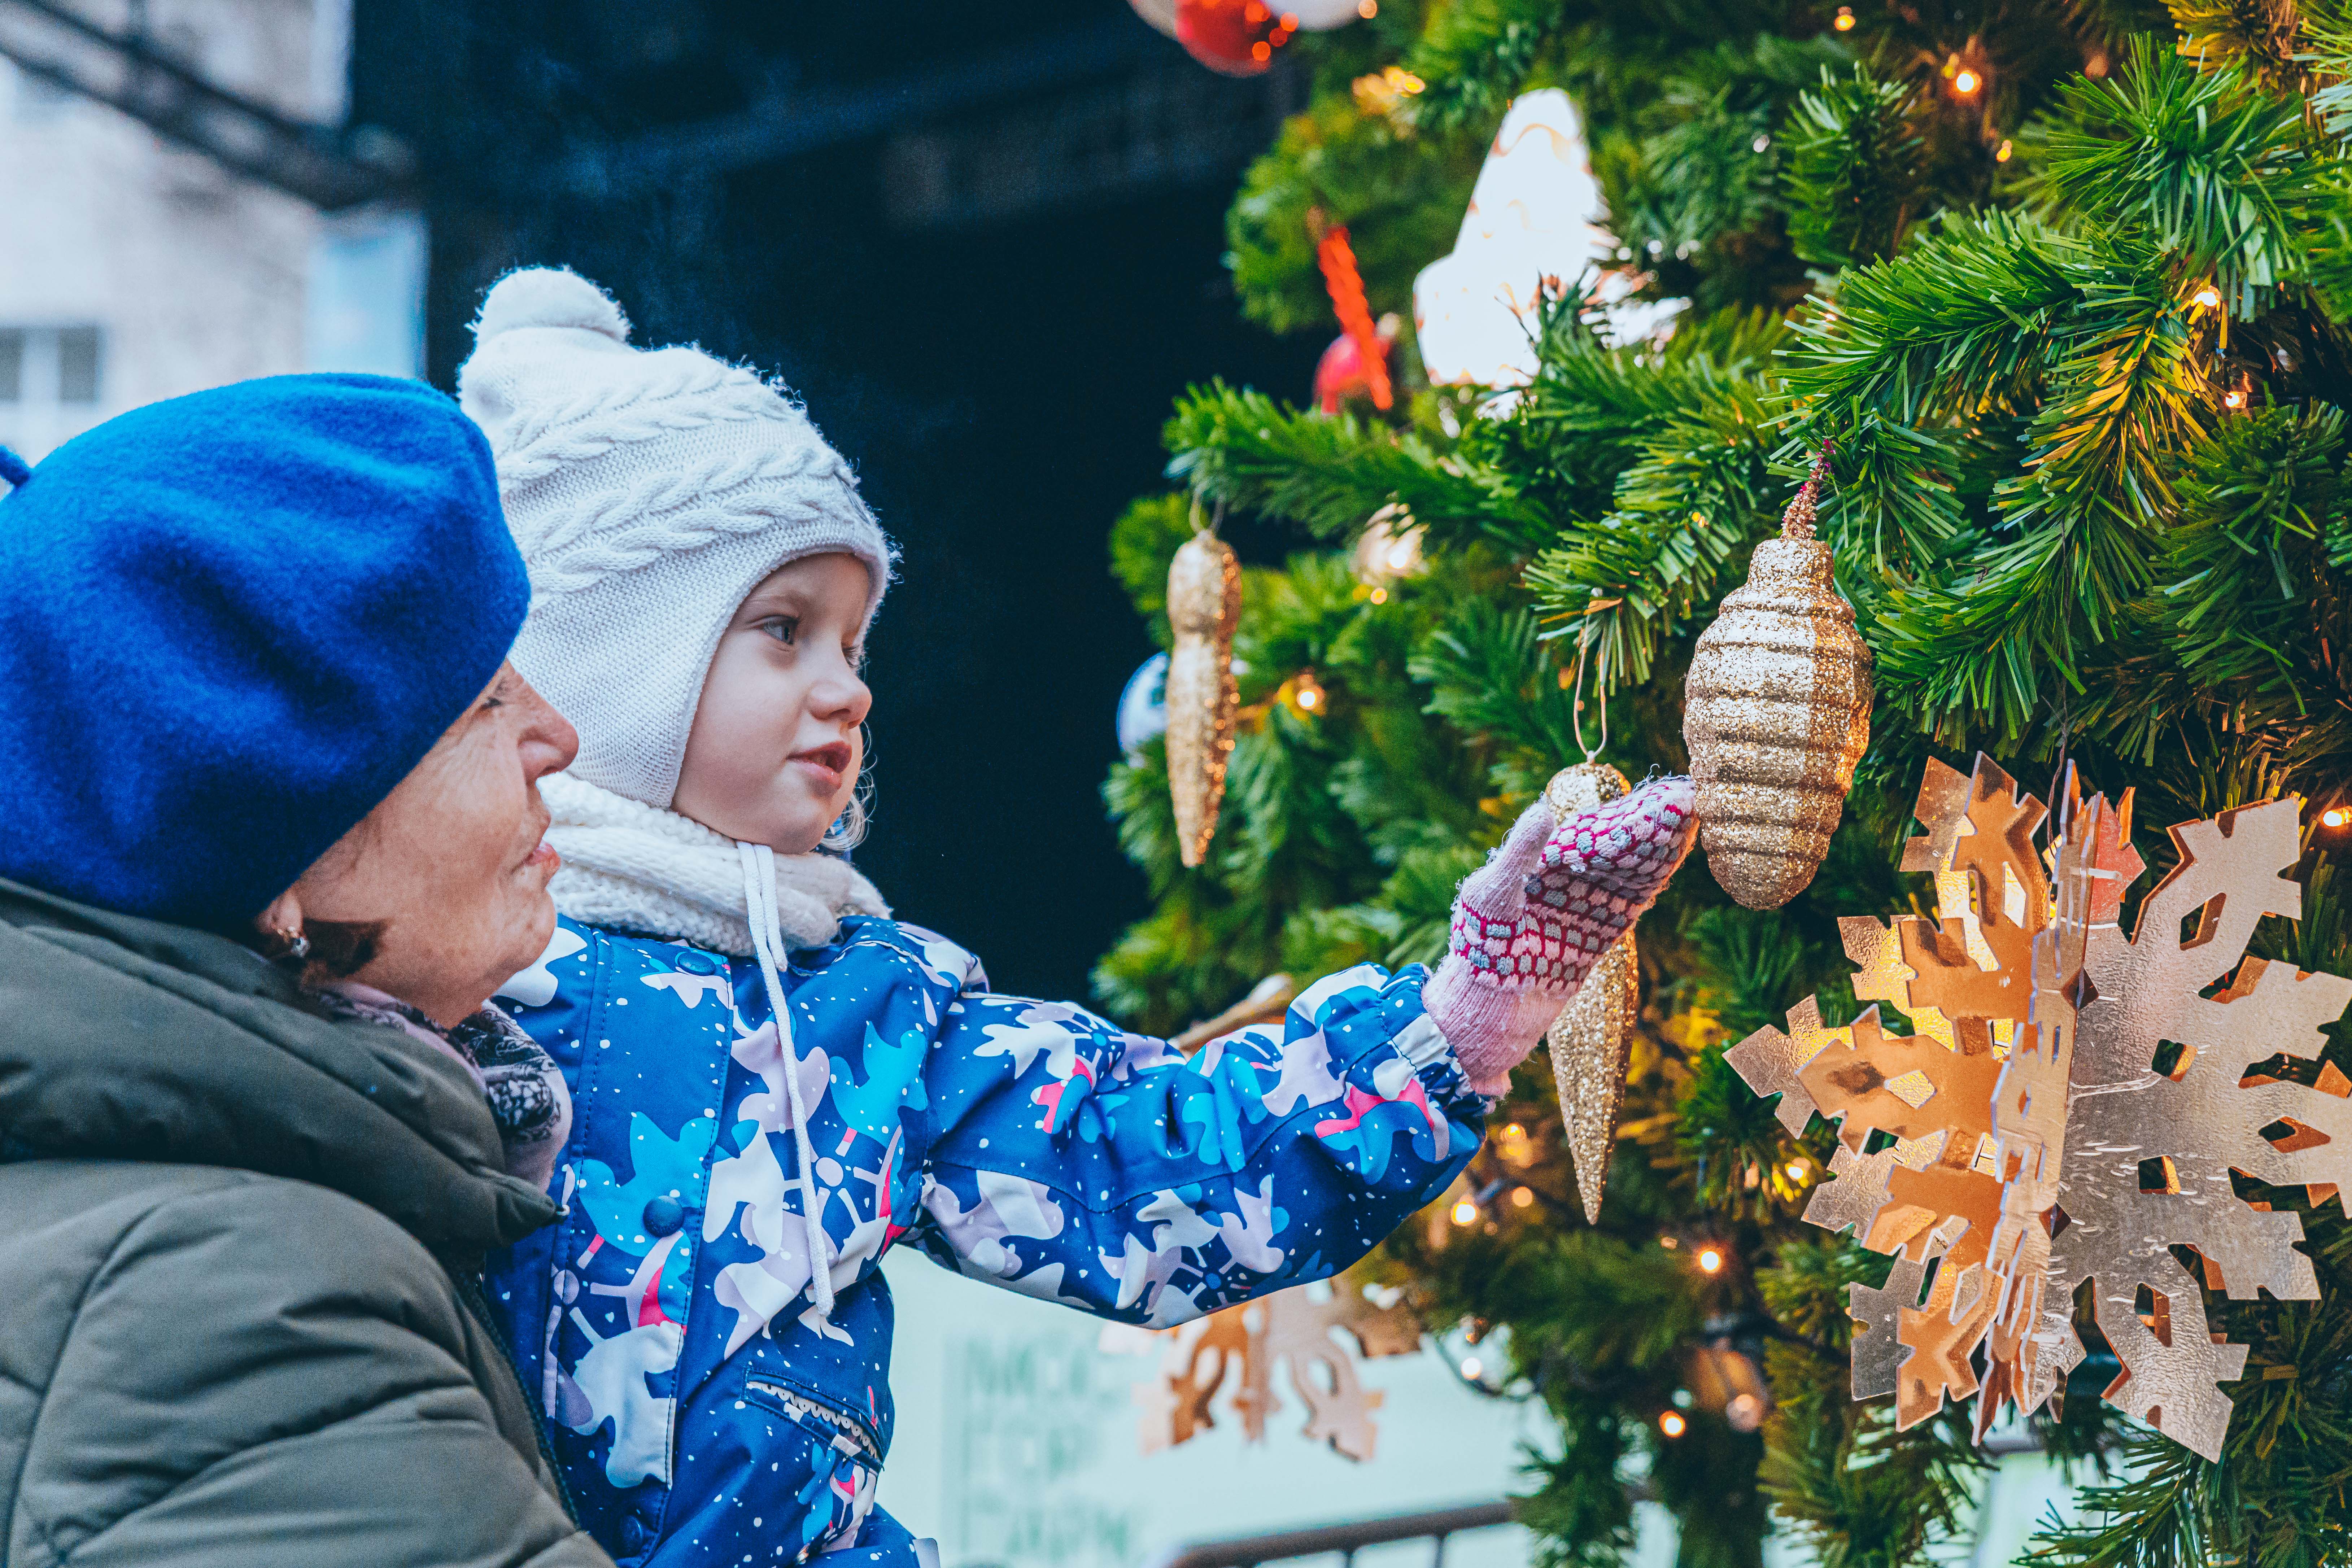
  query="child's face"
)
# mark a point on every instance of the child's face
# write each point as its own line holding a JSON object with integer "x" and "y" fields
{"x": 775, "y": 748}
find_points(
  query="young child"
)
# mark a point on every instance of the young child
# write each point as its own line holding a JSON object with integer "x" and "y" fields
{"x": 773, "y": 1082}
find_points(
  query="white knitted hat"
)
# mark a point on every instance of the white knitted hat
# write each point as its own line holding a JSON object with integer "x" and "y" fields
{"x": 650, "y": 491}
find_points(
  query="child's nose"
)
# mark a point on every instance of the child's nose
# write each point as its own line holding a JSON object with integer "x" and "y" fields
{"x": 843, "y": 692}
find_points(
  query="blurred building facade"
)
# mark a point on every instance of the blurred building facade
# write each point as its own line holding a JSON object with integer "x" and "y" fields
{"x": 133, "y": 268}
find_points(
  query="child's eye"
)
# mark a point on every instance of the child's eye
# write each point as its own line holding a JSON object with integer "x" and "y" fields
{"x": 784, "y": 628}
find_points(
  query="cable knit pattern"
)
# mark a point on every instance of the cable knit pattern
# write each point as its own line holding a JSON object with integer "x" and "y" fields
{"x": 649, "y": 491}
{"x": 700, "y": 392}
{"x": 663, "y": 512}
{"x": 1530, "y": 925}
{"x": 633, "y": 867}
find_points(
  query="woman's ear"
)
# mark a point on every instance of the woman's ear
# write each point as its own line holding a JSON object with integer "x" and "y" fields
{"x": 282, "y": 921}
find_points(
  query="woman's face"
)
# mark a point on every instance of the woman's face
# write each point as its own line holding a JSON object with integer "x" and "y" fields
{"x": 449, "y": 874}
{"x": 774, "y": 752}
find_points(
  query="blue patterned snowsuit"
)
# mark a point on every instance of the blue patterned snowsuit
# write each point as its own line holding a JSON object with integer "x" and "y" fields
{"x": 701, "y": 1411}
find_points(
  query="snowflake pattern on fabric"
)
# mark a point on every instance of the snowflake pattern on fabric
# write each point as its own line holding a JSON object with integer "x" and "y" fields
{"x": 701, "y": 1410}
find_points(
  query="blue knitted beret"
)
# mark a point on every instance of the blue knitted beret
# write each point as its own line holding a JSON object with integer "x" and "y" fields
{"x": 229, "y": 625}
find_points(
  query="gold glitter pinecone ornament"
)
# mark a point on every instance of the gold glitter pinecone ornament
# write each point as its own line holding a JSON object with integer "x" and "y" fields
{"x": 1204, "y": 606}
{"x": 1776, "y": 714}
{"x": 1589, "y": 1038}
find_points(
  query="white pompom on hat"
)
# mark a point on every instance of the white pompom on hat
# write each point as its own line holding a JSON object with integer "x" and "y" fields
{"x": 650, "y": 490}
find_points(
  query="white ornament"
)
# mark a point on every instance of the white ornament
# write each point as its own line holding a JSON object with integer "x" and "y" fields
{"x": 1321, "y": 15}
{"x": 1160, "y": 14}
{"x": 1535, "y": 222}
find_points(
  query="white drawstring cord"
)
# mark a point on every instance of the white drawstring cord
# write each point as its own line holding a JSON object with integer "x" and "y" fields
{"x": 767, "y": 942}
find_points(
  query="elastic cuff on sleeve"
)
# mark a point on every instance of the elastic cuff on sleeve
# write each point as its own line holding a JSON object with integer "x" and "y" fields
{"x": 1434, "y": 1060}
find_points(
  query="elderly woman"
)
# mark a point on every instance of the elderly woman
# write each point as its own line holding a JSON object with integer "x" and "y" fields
{"x": 272, "y": 836}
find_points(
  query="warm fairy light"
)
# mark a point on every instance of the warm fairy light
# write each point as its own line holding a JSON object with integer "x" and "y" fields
{"x": 1368, "y": 9}
{"x": 1710, "y": 1260}
{"x": 2335, "y": 817}
{"x": 1307, "y": 692}
{"x": 2206, "y": 298}
{"x": 1380, "y": 596}
{"x": 1668, "y": 1241}
{"x": 1844, "y": 23}
{"x": 1966, "y": 82}
{"x": 1402, "y": 554}
{"x": 1673, "y": 1425}
{"x": 1466, "y": 1213}
{"x": 1522, "y": 1196}
{"x": 1472, "y": 1367}
{"x": 1261, "y": 50}
{"x": 2002, "y": 153}
{"x": 2234, "y": 398}
{"x": 1796, "y": 1170}
{"x": 1513, "y": 1145}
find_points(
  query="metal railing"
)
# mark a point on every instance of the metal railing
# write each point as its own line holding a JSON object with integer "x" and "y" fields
{"x": 1437, "y": 1526}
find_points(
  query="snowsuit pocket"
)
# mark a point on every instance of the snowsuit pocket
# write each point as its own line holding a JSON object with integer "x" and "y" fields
{"x": 840, "y": 1463}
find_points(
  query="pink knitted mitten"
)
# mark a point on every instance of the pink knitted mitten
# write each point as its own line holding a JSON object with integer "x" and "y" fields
{"x": 1532, "y": 921}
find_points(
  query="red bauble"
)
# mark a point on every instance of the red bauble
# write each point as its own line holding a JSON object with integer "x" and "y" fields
{"x": 1236, "y": 37}
{"x": 1341, "y": 374}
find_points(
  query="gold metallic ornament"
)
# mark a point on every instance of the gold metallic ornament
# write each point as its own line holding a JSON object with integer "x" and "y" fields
{"x": 1590, "y": 1037}
{"x": 1204, "y": 606}
{"x": 1776, "y": 714}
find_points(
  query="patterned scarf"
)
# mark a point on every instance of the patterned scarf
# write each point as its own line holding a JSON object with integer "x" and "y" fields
{"x": 521, "y": 1082}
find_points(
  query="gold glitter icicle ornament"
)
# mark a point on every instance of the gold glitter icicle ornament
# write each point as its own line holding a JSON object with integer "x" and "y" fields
{"x": 1204, "y": 606}
{"x": 1589, "y": 1038}
{"x": 1776, "y": 714}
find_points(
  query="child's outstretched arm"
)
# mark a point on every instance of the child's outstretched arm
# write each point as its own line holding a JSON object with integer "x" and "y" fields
{"x": 1080, "y": 1164}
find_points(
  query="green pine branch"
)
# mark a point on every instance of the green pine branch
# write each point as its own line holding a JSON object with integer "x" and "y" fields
{"x": 1853, "y": 168}
{"x": 1327, "y": 473}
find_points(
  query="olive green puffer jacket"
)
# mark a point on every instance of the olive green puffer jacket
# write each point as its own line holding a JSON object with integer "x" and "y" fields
{"x": 239, "y": 1322}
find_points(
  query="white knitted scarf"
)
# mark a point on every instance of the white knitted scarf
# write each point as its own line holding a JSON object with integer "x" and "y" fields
{"x": 642, "y": 868}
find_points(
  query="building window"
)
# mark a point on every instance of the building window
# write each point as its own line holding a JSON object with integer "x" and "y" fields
{"x": 76, "y": 364}
{"x": 51, "y": 382}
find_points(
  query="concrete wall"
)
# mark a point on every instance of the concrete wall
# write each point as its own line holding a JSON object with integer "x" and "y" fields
{"x": 133, "y": 269}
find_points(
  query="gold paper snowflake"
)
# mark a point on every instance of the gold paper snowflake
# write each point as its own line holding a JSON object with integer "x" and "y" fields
{"x": 2072, "y": 1107}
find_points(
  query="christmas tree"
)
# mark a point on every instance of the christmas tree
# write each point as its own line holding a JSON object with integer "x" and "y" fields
{"x": 2063, "y": 289}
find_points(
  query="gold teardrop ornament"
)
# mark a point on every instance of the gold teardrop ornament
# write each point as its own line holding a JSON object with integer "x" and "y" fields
{"x": 1204, "y": 606}
{"x": 1590, "y": 1037}
{"x": 1776, "y": 712}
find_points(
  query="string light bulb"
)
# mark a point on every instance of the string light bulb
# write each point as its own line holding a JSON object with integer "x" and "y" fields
{"x": 1368, "y": 9}
{"x": 1466, "y": 1213}
{"x": 1307, "y": 692}
{"x": 1522, "y": 1196}
{"x": 2234, "y": 398}
{"x": 1796, "y": 1170}
{"x": 1673, "y": 1425}
{"x": 1844, "y": 20}
{"x": 2206, "y": 298}
{"x": 1965, "y": 82}
{"x": 1513, "y": 1144}
{"x": 2335, "y": 816}
{"x": 1710, "y": 1260}
{"x": 2002, "y": 153}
